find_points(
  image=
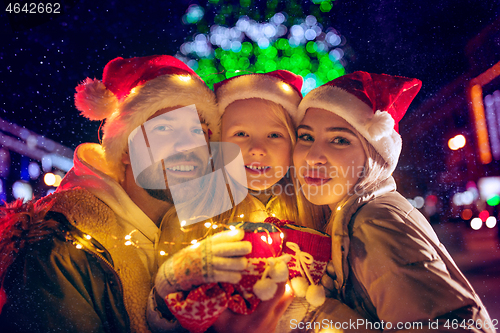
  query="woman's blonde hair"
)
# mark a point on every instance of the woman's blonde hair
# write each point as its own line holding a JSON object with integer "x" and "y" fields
{"x": 375, "y": 169}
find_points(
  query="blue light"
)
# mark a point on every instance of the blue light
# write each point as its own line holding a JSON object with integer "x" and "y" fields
{"x": 25, "y": 174}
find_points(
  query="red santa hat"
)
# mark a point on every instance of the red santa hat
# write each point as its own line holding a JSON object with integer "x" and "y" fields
{"x": 132, "y": 90}
{"x": 281, "y": 87}
{"x": 371, "y": 103}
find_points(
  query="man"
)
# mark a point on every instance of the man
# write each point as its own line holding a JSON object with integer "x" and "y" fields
{"x": 82, "y": 259}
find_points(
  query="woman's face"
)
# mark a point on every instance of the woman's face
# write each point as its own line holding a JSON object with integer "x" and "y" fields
{"x": 263, "y": 140}
{"x": 328, "y": 157}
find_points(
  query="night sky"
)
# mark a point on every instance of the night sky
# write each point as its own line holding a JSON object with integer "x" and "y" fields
{"x": 43, "y": 60}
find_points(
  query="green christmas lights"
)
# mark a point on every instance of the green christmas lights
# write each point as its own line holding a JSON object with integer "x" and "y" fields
{"x": 250, "y": 58}
{"x": 245, "y": 3}
{"x": 303, "y": 46}
{"x": 494, "y": 200}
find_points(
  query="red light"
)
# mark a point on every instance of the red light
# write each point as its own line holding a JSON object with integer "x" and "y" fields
{"x": 470, "y": 184}
{"x": 484, "y": 215}
{"x": 431, "y": 200}
{"x": 466, "y": 214}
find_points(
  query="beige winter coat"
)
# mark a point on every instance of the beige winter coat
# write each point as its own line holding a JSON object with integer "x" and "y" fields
{"x": 391, "y": 267}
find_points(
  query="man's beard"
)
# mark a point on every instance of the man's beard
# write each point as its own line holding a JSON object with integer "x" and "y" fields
{"x": 150, "y": 179}
{"x": 163, "y": 195}
{"x": 153, "y": 177}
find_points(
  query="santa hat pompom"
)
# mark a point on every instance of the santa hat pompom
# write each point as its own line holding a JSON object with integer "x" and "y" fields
{"x": 94, "y": 100}
{"x": 279, "y": 273}
{"x": 299, "y": 286}
{"x": 265, "y": 289}
{"x": 380, "y": 125}
{"x": 315, "y": 295}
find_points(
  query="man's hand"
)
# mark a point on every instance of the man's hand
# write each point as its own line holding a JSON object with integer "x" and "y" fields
{"x": 263, "y": 320}
{"x": 218, "y": 258}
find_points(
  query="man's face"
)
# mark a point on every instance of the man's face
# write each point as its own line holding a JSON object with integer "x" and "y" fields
{"x": 169, "y": 154}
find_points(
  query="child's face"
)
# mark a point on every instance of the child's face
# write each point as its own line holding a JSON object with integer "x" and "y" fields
{"x": 264, "y": 141}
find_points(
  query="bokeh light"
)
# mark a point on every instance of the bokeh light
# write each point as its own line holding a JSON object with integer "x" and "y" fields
{"x": 491, "y": 222}
{"x": 457, "y": 142}
{"x": 484, "y": 215}
{"x": 494, "y": 200}
{"x": 417, "y": 202}
{"x": 46, "y": 163}
{"x": 476, "y": 223}
{"x": 412, "y": 202}
{"x": 49, "y": 179}
{"x": 194, "y": 14}
{"x": 34, "y": 170}
{"x": 22, "y": 190}
{"x": 303, "y": 47}
{"x": 463, "y": 198}
{"x": 57, "y": 181}
{"x": 431, "y": 200}
{"x": 466, "y": 214}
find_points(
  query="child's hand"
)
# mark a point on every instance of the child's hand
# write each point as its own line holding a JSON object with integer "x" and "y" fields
{"x": 218, "y": 258}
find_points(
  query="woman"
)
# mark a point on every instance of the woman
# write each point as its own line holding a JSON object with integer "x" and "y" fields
{"x": 388, "y": 263}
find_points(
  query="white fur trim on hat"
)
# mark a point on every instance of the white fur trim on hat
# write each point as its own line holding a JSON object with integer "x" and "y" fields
{"x": 258, "y": 86}
{"x": 144, "y": 101}
{"x": 377, "y": 128}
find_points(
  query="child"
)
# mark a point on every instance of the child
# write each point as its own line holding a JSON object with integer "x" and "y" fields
{"x": 256, "y": 114}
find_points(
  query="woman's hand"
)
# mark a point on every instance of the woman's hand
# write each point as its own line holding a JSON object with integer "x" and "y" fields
{"x": 263, "y": 320}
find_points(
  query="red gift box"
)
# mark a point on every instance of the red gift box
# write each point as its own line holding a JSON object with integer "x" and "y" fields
{"x": 266, "y": 242}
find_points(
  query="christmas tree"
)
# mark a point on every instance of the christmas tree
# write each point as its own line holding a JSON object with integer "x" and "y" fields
{"x": 256, "y": 36}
